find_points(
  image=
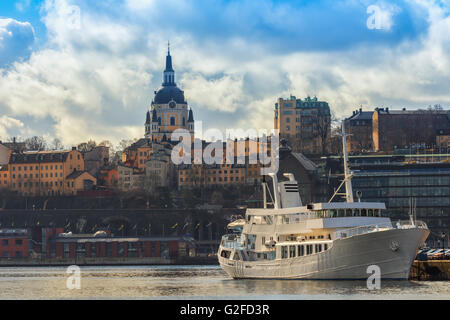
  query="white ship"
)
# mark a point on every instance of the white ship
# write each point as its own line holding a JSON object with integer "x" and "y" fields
{"x": 334, "y": 240}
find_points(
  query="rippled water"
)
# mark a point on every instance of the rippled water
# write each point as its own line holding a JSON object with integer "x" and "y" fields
{"x": 195, "y": 282}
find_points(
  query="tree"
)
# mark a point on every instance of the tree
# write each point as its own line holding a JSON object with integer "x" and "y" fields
{"x": 36, "y": 143}
{"x": 87, "y": 146}
{"x": 56, "y": 144}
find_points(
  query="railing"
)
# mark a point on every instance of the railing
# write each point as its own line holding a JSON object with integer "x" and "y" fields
{"x": 401, "y": 224}
{"x": 232, "y": 241}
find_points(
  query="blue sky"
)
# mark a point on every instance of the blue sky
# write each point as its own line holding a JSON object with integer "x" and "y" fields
{"x": 88, "y": 69}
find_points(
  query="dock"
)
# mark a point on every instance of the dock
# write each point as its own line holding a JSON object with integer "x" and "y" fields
{"x": 430, "y": 270}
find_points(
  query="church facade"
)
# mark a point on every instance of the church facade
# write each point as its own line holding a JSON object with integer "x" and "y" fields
{"x": 169, "y": 109}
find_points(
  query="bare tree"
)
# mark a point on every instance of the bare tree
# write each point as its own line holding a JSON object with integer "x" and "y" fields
{"x": 57, "y": 144}
{"x": 36, "y": 143}
{"x": 87, "y": 146}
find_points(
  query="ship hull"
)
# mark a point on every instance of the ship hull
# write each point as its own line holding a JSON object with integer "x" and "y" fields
{"x": 393, "y": 251}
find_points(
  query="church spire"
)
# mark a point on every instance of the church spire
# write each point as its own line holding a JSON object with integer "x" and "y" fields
{"x": 169, "y": 73}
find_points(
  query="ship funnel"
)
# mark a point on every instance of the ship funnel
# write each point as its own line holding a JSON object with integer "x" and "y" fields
{"x": 289, "y": 194}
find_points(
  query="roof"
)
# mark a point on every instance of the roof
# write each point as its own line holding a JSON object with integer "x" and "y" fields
{"x": 306, "y": 163}
{"x": 39, "y": 157}
{"x": 361, "y": 115}
{"x": 75, "y": 174}
{"x": 143, "y": 142}
{"x": 165, "y": 94}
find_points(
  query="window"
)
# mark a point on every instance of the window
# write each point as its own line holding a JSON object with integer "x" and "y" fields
{"x": 5, "y": 242}
{"x": 284, "y": 252}
{"x": 318, "y": 248}
{"x": 301, "y": 250}
{"x": 291, "y": 251}
{"x": 309, "y": 249}
{"x": 172, "y": 121}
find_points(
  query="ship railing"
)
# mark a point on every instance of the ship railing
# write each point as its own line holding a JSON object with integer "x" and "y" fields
{"x": 401, "y": 224}
{"x": 232, "y": 241}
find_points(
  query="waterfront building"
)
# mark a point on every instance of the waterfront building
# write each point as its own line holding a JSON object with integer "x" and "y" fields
{"x": 14, "y": 243}
{"x": 304, "y": 124}
{"x": 386, "y": 130}
{"x": 359, "y": 130}
{"x": 401, "y": 128}
{"x": 94, "y": 248}
{"x": 169, "y": 109}
{"x": 48, "y": 173}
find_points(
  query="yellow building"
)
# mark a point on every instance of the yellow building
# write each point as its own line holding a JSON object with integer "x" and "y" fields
{"x": 218, "y": 175}
{"x": 46, "y": 172}
{"x": 304, "y": 124}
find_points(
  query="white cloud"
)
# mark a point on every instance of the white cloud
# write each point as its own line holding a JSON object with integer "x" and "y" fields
{"x": 7, "y": 123}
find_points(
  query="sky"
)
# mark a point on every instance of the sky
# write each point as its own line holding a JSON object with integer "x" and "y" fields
{"x": 78, "y": 69}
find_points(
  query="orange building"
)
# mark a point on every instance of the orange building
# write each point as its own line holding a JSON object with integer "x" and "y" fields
{"x": 47, "y": 172}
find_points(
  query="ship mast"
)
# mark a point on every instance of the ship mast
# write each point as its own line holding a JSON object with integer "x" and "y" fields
{"x": 347, "y": 171}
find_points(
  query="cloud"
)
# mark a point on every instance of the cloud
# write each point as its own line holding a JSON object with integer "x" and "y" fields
{"x": 95, "y": 77}
{"x": 22, "y": 5}
{"x": 8, "y": 123}
{"x": 16, "y": 40}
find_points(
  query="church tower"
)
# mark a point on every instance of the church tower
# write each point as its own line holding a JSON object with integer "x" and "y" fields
{"x": 169, "y": 109}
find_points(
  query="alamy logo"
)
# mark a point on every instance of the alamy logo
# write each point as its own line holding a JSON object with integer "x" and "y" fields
{"x": 263, "y": 150}
{"x": 74, "y": 280}
{"x": 374, "y": 280}
{"x": 380, "y": 18}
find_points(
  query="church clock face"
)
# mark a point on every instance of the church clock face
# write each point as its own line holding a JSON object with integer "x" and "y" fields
{"x": 172, "y": 104}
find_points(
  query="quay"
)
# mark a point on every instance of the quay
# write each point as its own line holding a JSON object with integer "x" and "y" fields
{"x": 430, "y": 270}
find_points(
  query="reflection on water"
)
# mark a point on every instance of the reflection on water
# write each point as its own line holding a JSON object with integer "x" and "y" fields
{"x": 190, "y": 282}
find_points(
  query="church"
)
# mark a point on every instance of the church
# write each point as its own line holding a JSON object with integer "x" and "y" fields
{"x": 169, "y": 109}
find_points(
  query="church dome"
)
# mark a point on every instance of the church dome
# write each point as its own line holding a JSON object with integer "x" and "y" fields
{"x": 167, "y": 93}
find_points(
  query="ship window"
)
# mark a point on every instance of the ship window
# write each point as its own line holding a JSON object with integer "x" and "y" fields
{"x": 363, "y": 213}
{"x": 268, "y": 219}
{"x": 291, "y": 251}
{"x": 318, "y": 248}
{"x": 377, "y": 213}
{"x": 348, "y": 213}
{"x": 301, "y": 251}
{"x": 263, "y": 240}
{"x": 340, "y": 213}
{"x": 325, "y": 247}
{"x": 309, "y": 248}
{"x": 284, "y": 252}
{"x": 236, "y": 256}
{"x": 225, "y": 254}
{"x": 332, "y": 213}
{"x": 356, "y": 213}
{"x": 370, "y": 212}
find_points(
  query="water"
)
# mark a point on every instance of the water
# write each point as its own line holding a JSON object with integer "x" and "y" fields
{"x": 195, "y": 282}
